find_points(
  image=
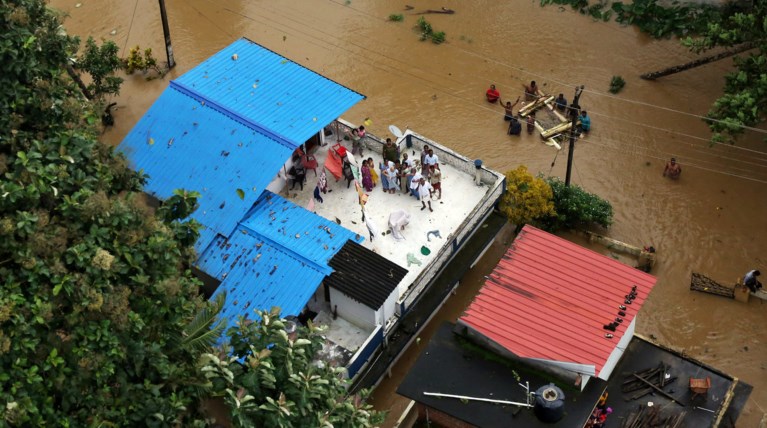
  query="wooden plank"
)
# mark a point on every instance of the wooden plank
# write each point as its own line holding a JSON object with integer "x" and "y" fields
{"x": 660, "y": 391}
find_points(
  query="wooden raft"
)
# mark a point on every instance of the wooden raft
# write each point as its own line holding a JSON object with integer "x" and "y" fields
{"x": 702, "y": 283}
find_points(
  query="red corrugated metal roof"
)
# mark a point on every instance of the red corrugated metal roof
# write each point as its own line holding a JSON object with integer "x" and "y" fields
{"x": 549, "y": 298}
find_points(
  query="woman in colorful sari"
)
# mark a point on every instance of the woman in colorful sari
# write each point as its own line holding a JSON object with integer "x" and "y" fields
{"x": 367, "y": 179}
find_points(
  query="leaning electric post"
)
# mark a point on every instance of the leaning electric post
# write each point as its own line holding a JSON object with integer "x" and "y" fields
{"x": 575, "y": 111}
{"x": 166, "y": 32}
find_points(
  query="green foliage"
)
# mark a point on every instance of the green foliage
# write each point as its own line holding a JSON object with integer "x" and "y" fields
{"x": 396, "y": 17}
{"x": 438, "y": 37}
{"x": 527, "y": 199}
{"x": 136, "y": 62}
{"x": 428, "y": 33}
{"x": 95, "y": 291}
{"x": 731, "y": 25}
{"x": 101, "y": 63}
{"x": 273, "y": 380}
{"x": 577, "y": 208}
{"x": 616, "y": 84}
{"x": 744, "y": 102}
{"x": 659, "y": 19}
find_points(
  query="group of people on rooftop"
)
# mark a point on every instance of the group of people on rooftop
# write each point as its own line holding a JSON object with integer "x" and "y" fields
{"x": 420, "y": 178}
{"x": 532, "y": 93}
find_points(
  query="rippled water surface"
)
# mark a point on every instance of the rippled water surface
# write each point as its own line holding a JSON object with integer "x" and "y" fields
{"x": 713, "y": 220}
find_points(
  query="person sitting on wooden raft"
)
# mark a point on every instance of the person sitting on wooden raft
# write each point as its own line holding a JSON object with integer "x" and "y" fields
{"x": 492, "y": 94}
{"x": 750, "y": 281}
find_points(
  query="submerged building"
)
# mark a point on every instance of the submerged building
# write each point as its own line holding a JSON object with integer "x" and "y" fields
{"x": 231, "y": 129}
{"x": 548, "y": 335}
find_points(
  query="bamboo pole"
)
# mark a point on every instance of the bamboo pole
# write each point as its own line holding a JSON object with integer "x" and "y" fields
{"x": 488, "y": 400}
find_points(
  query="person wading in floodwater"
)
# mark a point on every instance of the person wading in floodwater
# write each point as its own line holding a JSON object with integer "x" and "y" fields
{"x": 672, "y": 170}
{"x": 509, "y": 107}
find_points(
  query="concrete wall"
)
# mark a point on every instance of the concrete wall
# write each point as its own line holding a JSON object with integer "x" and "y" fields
{"x": 387, "y": 310}
{"x": 617, "y": 353}
{"x": 352, "y": 310}
{"x": 566, "y": 375}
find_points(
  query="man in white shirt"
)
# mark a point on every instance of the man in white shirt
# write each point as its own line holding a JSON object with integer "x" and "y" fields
{"x": 424, "y": 191}
{"x": 405, "y": 160}
{"x": 431, "y": 159}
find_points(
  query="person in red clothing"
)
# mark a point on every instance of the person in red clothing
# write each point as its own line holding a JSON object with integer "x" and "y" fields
{"x": 492, "y": 94}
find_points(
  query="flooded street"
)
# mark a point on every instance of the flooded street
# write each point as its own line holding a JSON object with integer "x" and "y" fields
{"x": 713, "y": 220}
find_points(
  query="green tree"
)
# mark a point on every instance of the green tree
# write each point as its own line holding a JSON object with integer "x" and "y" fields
{"x": 97, "y": 305}
{"x": 272, "y": 379}
{"x": 101, "y": 63}
{"x": 528, "y": 199}
{"x": 744, "y": 102}
{"x": 734, "y": 25}
{"x": 576, "y": 208}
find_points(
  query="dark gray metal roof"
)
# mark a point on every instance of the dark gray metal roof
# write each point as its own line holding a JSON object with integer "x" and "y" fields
{"x": 363, "y": 275}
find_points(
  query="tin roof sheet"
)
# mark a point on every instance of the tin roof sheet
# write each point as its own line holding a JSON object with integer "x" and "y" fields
{"x": 258, "y": 275}
{"x": 277, "y": 256}
{"x": 182, "y": 143}
{"x": 268, "y": 89}
{"x": 308, "y": 236}
{"x": 226, "y": 127}
{"x": 549, "y": 298}
{"x": 364, "y": 275}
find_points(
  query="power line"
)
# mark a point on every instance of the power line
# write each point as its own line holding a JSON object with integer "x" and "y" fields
{"x": 570, "y": 85}
{"x": 431, "y": 83}
{"x": 130, "y": 27}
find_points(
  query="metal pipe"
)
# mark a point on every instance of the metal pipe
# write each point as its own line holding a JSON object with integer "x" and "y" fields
{"x": 488, "y": 400}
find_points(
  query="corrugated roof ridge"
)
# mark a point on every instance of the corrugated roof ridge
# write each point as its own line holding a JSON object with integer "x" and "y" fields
{"x": 305, "y": 68}
{"x": 326, "y": 270}
{"x": 233, "y": 114}
{"x": 489, "y": 300}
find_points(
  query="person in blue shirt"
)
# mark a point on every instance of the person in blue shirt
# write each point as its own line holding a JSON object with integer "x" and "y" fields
{"x": 561, "y": 102}
{"x": 585, "y": 121}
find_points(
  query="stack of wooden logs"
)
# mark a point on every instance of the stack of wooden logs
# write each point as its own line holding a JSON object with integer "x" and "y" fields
{"x": 647, "y": 381}
{"x": 650, "y": 416}
{"x": 637, "y": 385}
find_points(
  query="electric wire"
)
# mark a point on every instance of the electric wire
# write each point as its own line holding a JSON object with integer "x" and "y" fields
{"x": 130, "y": 27}
{"x": 207, "y": 18}
{"x": 431, "y": 83}
{"x": 571, "y": 85}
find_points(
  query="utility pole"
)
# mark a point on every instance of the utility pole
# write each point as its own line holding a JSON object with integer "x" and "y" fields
{"x": 575, "y": 111}
{"x": 166, "y": 32}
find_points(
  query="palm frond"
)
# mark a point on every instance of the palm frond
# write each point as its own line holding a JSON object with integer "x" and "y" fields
{"x": 205, "y": 329}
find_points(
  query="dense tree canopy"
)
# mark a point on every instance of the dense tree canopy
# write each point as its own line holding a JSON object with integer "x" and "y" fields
{"x": 549, "y": 204}
{"x": 101, "y": 321}
{"x": 273, "y": 380}
{"x": 94, "y": 296}
{"x": 527, "y": 199}
{"x": 702, "y": 27}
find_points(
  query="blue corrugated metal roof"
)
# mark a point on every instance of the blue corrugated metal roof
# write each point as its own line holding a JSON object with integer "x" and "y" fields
{"x": 304, "y": 233}
{"x": 277, "y": 256}
{"x": 226, "y": 127}
{"x": 183, "y": 143}
{"x": 286, "y": 98}
{"x": 257, "y": 275}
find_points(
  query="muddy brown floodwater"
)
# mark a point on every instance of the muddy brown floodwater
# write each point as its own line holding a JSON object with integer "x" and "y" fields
{"x": 713, "y": 220}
